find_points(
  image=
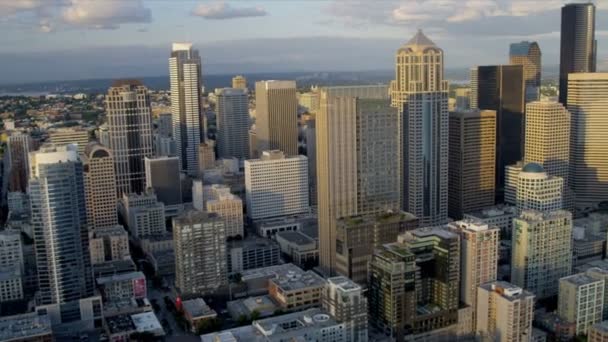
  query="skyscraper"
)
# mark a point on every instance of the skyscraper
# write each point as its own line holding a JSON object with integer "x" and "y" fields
{"x": 129, "y": 118}
{"x": 66, "y": 136}
{"x": 541, "y": 251}
{"x": 100, "y": 187}
{"x": 357, "y": 144}
{"x": 186, "y": 100}
{"x": 239, "y": 82}
{"x": 18, "y": 147}
{"x": 232, "y": 110}
{"x": 501, "y": 88}
{"x": 420, "y": 93}
{"x": 529, "y": 56}
{"x": 276, "y": 116}
{"x": 588, "y": 105}
{"x": 578, "y": 47}
{"x": 200, "y": 252}
{"x": 162, "y": 175}
{"x": 59, "y": 222}
{"x": 472, "y": 161}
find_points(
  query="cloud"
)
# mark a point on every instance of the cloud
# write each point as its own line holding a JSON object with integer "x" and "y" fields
{"x": 222, "y": 10}
{"x": 105, "y": 14}
{"x": 11, "y": 7}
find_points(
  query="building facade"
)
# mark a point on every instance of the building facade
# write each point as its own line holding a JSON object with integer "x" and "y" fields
{"x": 528, "y": 55}
{"x": 581, "y": 301}
{"x": 232, "y": 110}
{"x": 219, "y": 200}
{"x": 536, "y": 190}
{"x": 276, "y": 116}
{"x": 130, "y": 130}
{"x": 163, "y": 175}
{"x": 344, "y": 300}
{"x": 100, "y": 187}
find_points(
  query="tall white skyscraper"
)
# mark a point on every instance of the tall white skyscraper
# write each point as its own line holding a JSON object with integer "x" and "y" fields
{"x": 588, "y": 105}
{"x": 59, "y": 222}
{"x": 186, "y": 100}
{"x": 130, "y": 131}
{"x": 421, "y": 95}
{"x": 232, "y": 109}
{"x": 276, "y": 185}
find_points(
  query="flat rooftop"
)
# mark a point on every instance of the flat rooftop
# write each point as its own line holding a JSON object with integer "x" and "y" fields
{"x": 120, "y": 277}
{"x": 296, "y": 237}
{"x": 198, "y": 308}
{"x": 344, "y": 283}
{"x": 288, "y": 277}
{"x": 579, "y": 279}
{"x": 22, "y": 327}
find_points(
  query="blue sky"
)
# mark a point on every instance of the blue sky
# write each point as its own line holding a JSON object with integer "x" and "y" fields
{"x": 115, "y": 36}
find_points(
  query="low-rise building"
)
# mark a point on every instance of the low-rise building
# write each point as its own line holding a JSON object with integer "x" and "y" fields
{"x": 598, "y": 332}
{"x": 299, "y": 248}
{"x": 251, "y": 253}
{"x": 11, "y": 285}
{"x": 108, "y": 243}
{"x": 263, "y": 305}
{"x": 269, "y": 227}
{"x": 121, "y": 327}
{"x": 123, "y": 286}
{"x": 197, "y": 311}
{"x": 29, "y": 327}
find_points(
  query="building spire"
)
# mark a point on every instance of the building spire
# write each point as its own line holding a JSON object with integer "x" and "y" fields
{"x": 420, "y": 39}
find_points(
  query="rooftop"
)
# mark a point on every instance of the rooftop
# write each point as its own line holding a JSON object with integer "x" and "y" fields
{"x": 344, "y": 284}
{"x": 495, "y": 211}
{"x": 506, "y": 290}
{"x": 22, "y": 327}
{"x": 288, "y": 277}
{"x": 296, "y": 237}
{"x": 198, "y": 308}
{"x": 579, "y": 279}
{"x": 475, "y": 225}
{"x": 120, "y": 277}
{"x": 601, "y": 327}
{"x": 533, "y": 168}
{"x": 420, "y": 39}
{"x": 147, "y": 321}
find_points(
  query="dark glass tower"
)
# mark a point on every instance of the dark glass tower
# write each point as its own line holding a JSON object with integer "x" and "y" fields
{"x": 502, "y": 88}
{"x": 578, "y": 46}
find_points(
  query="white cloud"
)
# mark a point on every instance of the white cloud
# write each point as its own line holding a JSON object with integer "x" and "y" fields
{"x": 222, "y": 10}
{"x": 105, "y": 14}
{"x": 10, "y": 7}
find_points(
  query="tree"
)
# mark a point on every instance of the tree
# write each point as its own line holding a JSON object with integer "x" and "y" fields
{"x": 208, "y": 326}
{"x": 255, "y": 314}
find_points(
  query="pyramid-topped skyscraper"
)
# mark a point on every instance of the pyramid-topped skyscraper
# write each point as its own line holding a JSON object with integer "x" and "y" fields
{"x": 420, "y": 94}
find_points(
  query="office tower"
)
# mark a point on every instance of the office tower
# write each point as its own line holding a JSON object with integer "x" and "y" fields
{"x": 578, "y": 47}
{"x": 276, "y": 116}
{"x": 344, "y": 300}
{"x": 164, "y": 125}
{"x": 548, "y": 137}
{"x": 406, "y": 279}
{"x": 11, "y": 252}
{"x": 588, "y": 105}
{"x": 541, "y": 251}
{"x": 163, "y": 146}
{"x": 206, "y": 156}
{"x": 186, "y": 100}
{"x": 463, "y": 98}
{"x": 232, "y": 110}
{"x": 420, "y": 94}
{"x": 57, "y": 195}
{"x": 109, "y": 243}
{"x": 100, "y": 186}
{"x": 501, "y": 88}
{"x": 219, "y": 200}
{"x": 66, "y": 136}
{"x": 18, "y": 146}
{"x": 528, "y": 55}
{"x": 276, "y": 185}
{"x": 581, "y": 301}
{"x": 536, "y": 190}
{"x": 473, "y": 83}
{"x": 357, "y": 149}
{"x": 163, "y": 175}
{"x": 478, "y": 258}
{"x": 504, "y": 312}
{"x": 200, "y": 252}
{"x": 143, "y": 214}
{"x": 358, "y": 236}
{"x": 471, "y": 161}
{"x": 130, "y": 130}
{"x": 239, "y": 82}
{"x": 311, "y": 154}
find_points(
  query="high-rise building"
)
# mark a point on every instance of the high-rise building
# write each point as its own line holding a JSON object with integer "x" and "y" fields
{"x": 548, "y": 137}
{"x": 186, "y": 101}
{"x": 528, "y": 55}
{"x": 541, "y": 251}
{"x": 358, "y": 236}
{"x": 463, "y": 99}
{"x": 276, "y": 116}
{"x": 163, "y": 175}
{"x": 473, "y": 83}
{"x": 129, "y": 118}
{"x": 472, "y": 161}
{"x": 504, "y": 312}
{"x": 239, "y": 82}
{"x": 310, "y": 101}
{"x": 11, "y": 251}
{"x": 100, "y": 186}
{"x": 109, "y": 244}
{"x": 206, "y": 156}
{"x": 578, "y": 47}
{"x": 478, "y": 258}
{"x": 66, "y": 136}
{"x": 143, "y": 214}
{"x": 501, "y": 88}
{"x": 536, "y": 190}
{"x": 357, "y": 150}
{"x": 164, "y": 125}
{"x": 408, "y": 279}
{"x": 276, "y": 185}
{"x": 344, "y": 300}
{"x": 588, "y": 105}
{"x": 200, "y": 252}
{"x": 581, "y": 301}
{"x": 219, "y": 200}
{"x": 309, "y": 127}
{"x": 420, "y": 93}
{"x": 232, "y": 110}
{"x": 18, "y": 146}
{"x": 60, "y": 233}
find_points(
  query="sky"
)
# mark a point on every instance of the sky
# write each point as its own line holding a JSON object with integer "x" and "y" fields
{"x": 80, "y": 39}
